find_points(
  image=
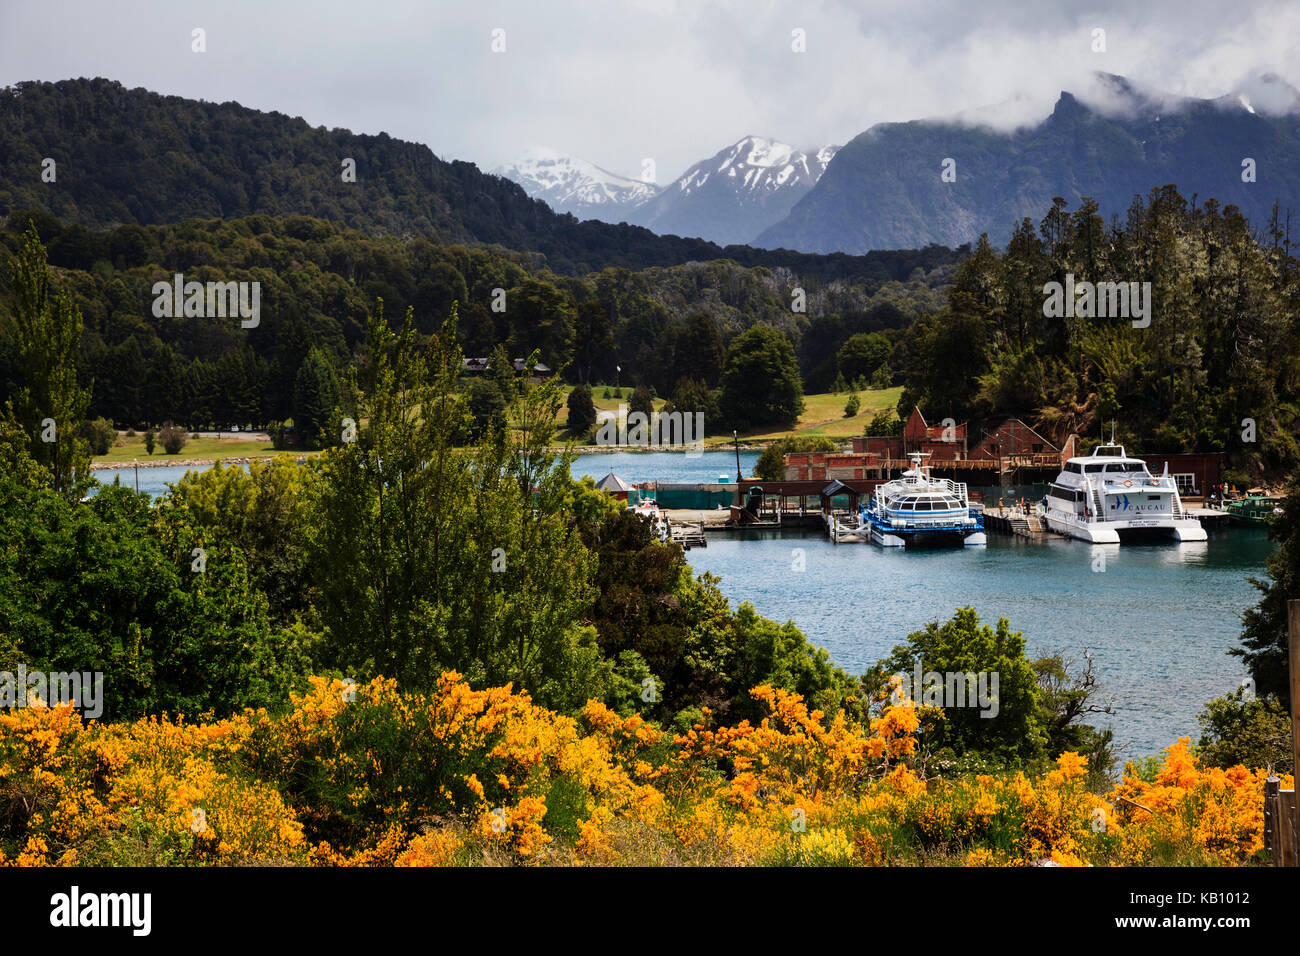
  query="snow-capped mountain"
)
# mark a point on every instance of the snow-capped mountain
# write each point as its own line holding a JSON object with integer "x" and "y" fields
{"x": 568, "y": 184}
{"x": 737, "y": 193}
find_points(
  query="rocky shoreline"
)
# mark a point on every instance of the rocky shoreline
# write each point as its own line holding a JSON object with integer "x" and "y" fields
{"x": 168, "y": 462}
{"x": 189, "y": 462}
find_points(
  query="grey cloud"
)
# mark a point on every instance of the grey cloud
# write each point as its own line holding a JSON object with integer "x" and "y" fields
{"x": 616, "y": 83}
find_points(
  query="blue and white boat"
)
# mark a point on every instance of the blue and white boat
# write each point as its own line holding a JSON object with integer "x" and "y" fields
{"x": 916, "y": 510}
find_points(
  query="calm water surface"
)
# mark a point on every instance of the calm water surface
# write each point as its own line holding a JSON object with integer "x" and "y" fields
{"x": 1158, "y": 620}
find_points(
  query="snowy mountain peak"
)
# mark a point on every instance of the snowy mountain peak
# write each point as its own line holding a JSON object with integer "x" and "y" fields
{"x": 730, "y": 197}
{"x": 759, "y": 165}
{"x": 570, "y": 184}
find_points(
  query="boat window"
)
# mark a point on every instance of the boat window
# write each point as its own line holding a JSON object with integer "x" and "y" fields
{"x": 1074, "y": 466}
{"x": 923, "y": 506}
{"x": 1092, "y": 469}
{"x": 1153, "y": 497}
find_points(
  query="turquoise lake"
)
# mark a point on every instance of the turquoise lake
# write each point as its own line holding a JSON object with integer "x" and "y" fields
{"x": 1158, "y": 620}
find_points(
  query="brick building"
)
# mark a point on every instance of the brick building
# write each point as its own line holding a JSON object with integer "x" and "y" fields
{"x": 943, "y": 442}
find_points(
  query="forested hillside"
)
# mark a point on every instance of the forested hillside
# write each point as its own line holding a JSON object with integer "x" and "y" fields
{"x": 132, "y": 156}
{"x": 319, "y": 280}
{"x": 907, "y": 184}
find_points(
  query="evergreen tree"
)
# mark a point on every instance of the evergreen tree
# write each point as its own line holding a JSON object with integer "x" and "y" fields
{"x": 698, "y": 352}
{"x": 641, "y": 401}
{"x": 315, "y": 397}
{"x": 582, "y": 411}
{"x": 1264, "y": 635}
{"x": 593, "y": 342}
{"x": 486, "y": 405}
{"x": 50, "y": 405}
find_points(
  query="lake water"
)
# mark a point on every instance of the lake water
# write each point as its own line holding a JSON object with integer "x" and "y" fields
{"x": 630, "y": 466}
{"x": 1158, "y": 620}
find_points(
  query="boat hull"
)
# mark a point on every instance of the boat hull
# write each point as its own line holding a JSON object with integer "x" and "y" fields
{"x": 895, "y": 538}
{"x": 1115, "y": 532}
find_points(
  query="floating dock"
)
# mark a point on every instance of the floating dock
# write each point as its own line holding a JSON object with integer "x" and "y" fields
{"x": 1017, "y": 521}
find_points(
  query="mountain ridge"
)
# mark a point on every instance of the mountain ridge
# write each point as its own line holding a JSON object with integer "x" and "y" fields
{"x": 886, "y": 183}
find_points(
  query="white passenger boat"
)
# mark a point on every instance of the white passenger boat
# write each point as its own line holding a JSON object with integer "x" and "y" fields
{"x": 649, "y": 508}
{"x": 1107, "y": 497}
{"x": 918, "y": 510}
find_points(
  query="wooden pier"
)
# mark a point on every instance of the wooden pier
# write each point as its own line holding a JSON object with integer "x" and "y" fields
{"x": 688, "y": 534}
{"x": 1015, "y": 520}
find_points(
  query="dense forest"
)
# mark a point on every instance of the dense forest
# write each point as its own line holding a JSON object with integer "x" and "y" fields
{"x": 318, "y": 280}
{"x": 1214, "y": 366}
{"x": 226, "y": 161}
{"x": 1214, "y": 369}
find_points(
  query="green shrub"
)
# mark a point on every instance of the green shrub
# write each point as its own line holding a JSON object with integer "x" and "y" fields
{"x": 1256, "y": 733}
{"x": 99, "y": 434}
{"x": 173, "y": 438}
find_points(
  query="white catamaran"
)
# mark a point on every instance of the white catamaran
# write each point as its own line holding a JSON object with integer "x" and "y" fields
{"x": 1107, "y": 497}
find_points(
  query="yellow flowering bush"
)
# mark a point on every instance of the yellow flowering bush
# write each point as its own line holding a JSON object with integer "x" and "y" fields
{"x": 371, "y": 776}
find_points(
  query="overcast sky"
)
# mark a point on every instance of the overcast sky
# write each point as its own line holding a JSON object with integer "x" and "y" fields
{"x": 617, "y": 82}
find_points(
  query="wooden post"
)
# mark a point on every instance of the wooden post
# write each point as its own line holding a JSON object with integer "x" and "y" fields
{"x": 1292, "y": 808}
{"x": 1271, "y": 847}
{"x": 1293, "y": 675}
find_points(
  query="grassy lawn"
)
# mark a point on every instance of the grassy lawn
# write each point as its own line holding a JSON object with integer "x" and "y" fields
{"x": 823, "y": 416}
{"x": 132, "y": 448}
{"x": 602, "y": 404}
{"x": 623, "y": 395}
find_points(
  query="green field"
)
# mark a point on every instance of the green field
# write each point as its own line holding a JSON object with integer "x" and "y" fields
{"x": 823, "y": 417}
{"x": 130, "y": 449}
{"x": 823, "y": 414}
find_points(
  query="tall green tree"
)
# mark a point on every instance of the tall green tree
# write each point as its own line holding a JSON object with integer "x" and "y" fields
{"x": 582, "y": 411}
{"x": 761, "y": 384}
{"x": 430, "y": 557}
{"x": 698, "y": 352}
{"x": 1264, "y": 634}
{"x": 593, "y": 342}
{"x": 50, "y": 404}
{"x": 316, "y": 395}
{"x": 540, "y": 317}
